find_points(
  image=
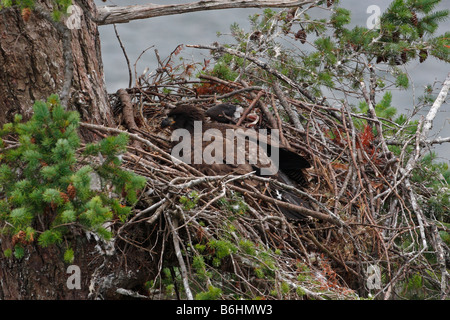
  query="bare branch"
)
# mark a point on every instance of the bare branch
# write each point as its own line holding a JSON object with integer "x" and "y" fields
{"x": 124, "y": 14}
{"x": 130, "y": 80}
{"x": 428, "y": 124}
{"x": 439, "y": 140}
{"x": 292, "y": 114}
{"x": 184, "y": 273}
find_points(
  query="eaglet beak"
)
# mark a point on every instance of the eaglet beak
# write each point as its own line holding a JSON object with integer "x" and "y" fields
{"x": 167, "y": 122}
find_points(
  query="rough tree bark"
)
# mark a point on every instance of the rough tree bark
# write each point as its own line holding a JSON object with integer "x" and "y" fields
{"x": 32, "y": 65}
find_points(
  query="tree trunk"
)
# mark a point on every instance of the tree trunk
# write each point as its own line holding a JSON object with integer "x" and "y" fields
{"x": 32, "y": 64}
{"x": 42, "y": 275}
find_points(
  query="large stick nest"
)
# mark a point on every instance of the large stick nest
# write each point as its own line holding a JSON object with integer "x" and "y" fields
{"x": 209, "y": 233}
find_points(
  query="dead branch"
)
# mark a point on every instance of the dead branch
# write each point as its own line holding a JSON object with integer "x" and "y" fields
{"x": 128, "y": 112}
{"x": 250, "y": 107}
{"x": 428, "y": 124}
{"x": 124, "y": 14}
{"x": 292, "y": 114}
{"x": 176, "y": 242}
{"x": 130, "y": 76}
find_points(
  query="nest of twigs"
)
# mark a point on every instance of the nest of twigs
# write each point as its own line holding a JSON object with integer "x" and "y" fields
{"x": 211, "y": 234}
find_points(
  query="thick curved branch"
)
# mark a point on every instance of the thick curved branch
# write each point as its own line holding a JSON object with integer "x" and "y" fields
{"x": 124, "y": 14}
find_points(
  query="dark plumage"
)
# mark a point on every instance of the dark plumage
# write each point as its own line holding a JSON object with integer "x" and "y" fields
{"x": 225, "y": 113}
{"x": 290, "y": 163}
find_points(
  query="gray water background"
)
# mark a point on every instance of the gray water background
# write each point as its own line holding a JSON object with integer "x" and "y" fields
{"x": 166, "y": 33}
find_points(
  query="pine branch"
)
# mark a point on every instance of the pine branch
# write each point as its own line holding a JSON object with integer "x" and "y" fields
{"x": 261, "y": 64}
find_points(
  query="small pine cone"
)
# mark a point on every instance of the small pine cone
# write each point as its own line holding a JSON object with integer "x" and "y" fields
{"x": 19, "y": 237}
{"x": 381, "y": 59}
{"x": 64, "y": 196}
{"x": 404, "y": 57}
{"x": 301, "y": 35}
{"x": 71, "y": 191}
{"x": 423, "y": 55}
{"x": 414, "y": 19}
{"x": 289, "y": 17}
{"x": 256, "y": 35}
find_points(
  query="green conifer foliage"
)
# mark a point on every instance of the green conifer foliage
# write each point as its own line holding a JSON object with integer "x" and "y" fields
{"x": 60, "y": 7}
{"x": 334, "y": 56}
{"x": 406, "y": 29}
{"x": 46, "y": 188}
